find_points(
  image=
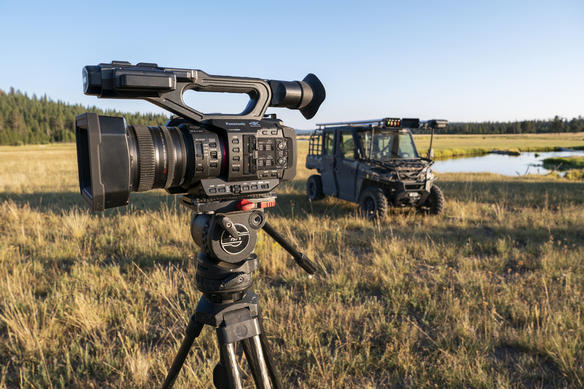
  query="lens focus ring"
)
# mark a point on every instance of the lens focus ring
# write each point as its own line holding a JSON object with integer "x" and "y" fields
{"x": 171, "y": 157}
{"x": 146, "y": 158}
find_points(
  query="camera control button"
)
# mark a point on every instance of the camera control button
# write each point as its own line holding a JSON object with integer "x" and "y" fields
{"x": 212, "y": 190}
{"x": 235, "y": 141}
{"x": 236, "y": 149}
{"x": 254, "y": 187}
{"x": 236, "y": 158}
{"x": 222, "y": 190}
{"x": 265, "y": 186}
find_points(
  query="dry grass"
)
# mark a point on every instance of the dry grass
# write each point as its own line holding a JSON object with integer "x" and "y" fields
{"x": 487, "y": 295}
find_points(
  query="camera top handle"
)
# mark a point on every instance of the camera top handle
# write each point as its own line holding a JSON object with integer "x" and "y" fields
{"x": 166, "y": 86}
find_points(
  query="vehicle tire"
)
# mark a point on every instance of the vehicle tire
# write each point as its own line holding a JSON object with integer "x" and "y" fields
{"x": 314, "y": 188}
{"x": 434, "y": 204}
{"x": 373, "y": 204}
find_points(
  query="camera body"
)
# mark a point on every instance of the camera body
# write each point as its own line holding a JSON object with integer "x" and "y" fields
{"x": 204, "y": 156}
{"x": 215, "y": 159}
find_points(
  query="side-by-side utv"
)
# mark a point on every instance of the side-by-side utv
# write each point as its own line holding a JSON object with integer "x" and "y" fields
{"x": 374, "y": 163}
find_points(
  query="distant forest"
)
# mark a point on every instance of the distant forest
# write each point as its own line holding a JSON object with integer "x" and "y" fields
{"x": 557, "y": 124}
{"x": 31, "y": 119}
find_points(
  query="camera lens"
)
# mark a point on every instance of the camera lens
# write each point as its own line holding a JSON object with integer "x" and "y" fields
{"x": 171, "y": 157}
{"x": 155, "y": 159}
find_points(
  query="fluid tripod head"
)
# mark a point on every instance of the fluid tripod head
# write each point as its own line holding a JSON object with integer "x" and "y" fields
{"x": 226, "y": 232}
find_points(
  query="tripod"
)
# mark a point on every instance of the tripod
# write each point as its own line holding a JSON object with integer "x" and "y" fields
{"x": 226, "y": 231}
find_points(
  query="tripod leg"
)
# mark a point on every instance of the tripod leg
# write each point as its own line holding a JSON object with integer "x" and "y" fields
{"x": 258, "y": 353}
{"x": 270, "y": 361}
{"x": 229, "y": 365}
{"x": 253, "y": 363}
{"x": 193, "y": 330}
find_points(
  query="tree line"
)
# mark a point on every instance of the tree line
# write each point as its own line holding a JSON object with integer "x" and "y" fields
{"x": 30, "y": 119}
{"x": 557, "y": 124}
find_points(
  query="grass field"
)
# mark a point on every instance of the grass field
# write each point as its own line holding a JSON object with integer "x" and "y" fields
{"x": 488, "y": 295}
{"x": 446, "y": 146}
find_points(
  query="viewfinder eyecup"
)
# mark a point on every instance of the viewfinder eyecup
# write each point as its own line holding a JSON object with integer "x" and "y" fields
{"x": 318, "y": 96}
{"x": 306, "y": 95}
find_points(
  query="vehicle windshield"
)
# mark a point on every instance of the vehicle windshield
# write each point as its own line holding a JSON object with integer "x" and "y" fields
{"x": 387, "y": 144}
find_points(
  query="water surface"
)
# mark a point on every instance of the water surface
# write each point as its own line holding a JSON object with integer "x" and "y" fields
{"x": 526, "y": 163}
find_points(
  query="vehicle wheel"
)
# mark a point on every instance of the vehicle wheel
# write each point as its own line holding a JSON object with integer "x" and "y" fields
{"x": 434, "y": 204}
{"x": 314, "y": 188}
{"x": 373, "y": 203}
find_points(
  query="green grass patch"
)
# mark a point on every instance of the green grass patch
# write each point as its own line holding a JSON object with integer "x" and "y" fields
{"x": 564, "y": 163}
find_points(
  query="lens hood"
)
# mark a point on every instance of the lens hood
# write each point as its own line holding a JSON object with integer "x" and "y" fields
{"x": 102, "y": 147}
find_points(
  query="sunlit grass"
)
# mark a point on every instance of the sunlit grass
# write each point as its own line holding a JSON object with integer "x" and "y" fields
{"x": 487, "y": 295}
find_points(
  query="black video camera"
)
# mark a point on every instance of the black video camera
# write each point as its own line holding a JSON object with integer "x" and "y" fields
{"x": 205, "y": 156}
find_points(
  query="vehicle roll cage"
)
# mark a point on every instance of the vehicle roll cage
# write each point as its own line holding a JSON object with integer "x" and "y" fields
{"x": 392, "y": 123}
{"x": 389, "y": 123}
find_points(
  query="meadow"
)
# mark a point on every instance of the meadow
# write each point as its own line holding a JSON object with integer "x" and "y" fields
{"x": 487, "y": 295}
{"x": 450, "y": 145}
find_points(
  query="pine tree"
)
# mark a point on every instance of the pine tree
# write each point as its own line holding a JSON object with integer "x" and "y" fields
{"x": 17, "y": 123}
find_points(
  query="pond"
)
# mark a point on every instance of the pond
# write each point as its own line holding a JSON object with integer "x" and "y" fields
{"x": 508, "y": 165}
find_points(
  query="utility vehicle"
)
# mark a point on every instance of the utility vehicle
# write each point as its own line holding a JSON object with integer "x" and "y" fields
{"x": 374, "y": 163}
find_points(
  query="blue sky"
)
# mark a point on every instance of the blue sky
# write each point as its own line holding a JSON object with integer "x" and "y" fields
{"x": 462, "y": 61}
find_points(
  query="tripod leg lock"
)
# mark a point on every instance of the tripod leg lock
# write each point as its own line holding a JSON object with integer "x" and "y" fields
{"x": 238, "y": 325}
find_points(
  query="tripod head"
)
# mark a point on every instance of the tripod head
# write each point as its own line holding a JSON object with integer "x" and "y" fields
{"x": 226, "y": 232}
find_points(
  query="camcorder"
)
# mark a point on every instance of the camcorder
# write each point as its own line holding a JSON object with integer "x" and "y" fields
{"x": 204, "y": 156}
